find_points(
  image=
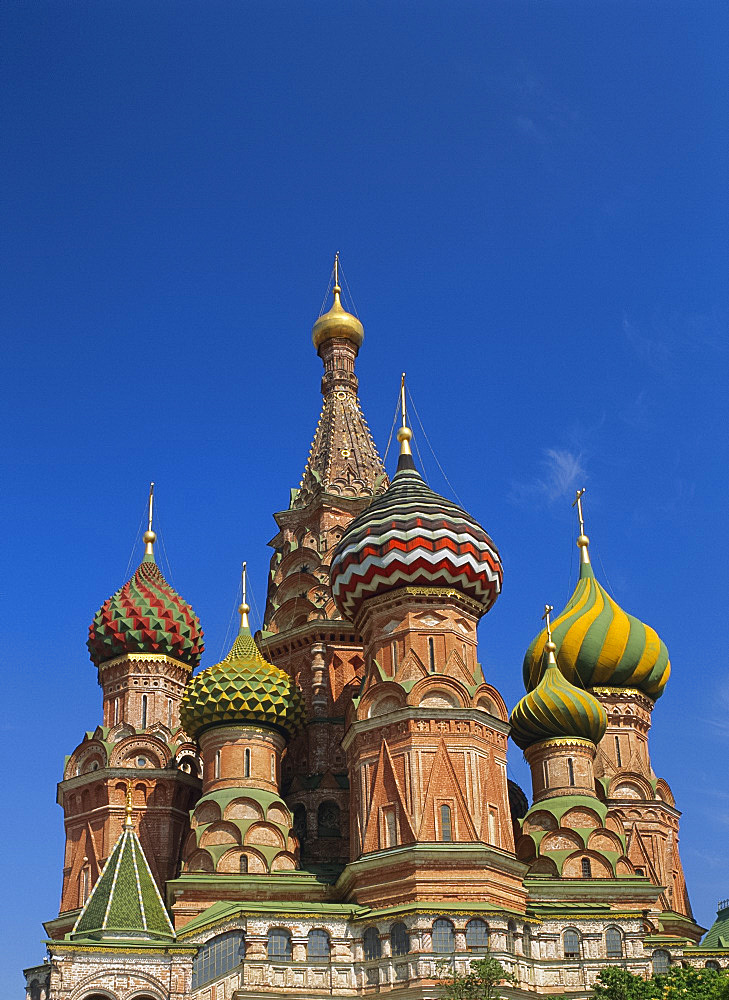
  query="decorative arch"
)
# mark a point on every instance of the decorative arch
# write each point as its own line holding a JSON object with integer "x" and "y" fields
{"x": 220, "y": 833}
{"x": 243, "y": 808}
{"x": 200, "y": 861}
{"x": 439, "y": 691}
{"x": 83, "y": 756}
{"x": 599, "y": 867}
{"x": 629, "y": 785}
{"x": 381, "y": 698}
{"x": 265, "y": 835}
{"x": 498, "y": 705}
{"x": 128, "y": 749}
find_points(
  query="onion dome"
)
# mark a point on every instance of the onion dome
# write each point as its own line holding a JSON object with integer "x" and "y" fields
{"x": 599, "y": 644}
{"x": 410, "y": 536}
{"x": 244, "y": 688}
{"x": 556, "y": 709}
{"x": 337, "y": 323}
{"x": 146, "y": 616}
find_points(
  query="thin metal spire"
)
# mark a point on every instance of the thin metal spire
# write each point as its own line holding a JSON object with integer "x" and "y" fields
{"x": 244, "y": 608}
{"x": 583, "y": 541}
{"x": 149, "y": 536}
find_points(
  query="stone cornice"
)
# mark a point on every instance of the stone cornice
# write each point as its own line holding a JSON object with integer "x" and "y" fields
{"x": 416, "y": 713}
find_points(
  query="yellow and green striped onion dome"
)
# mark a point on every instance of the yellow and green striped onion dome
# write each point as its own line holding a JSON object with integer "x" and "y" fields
{"x": 556, "y": 709}
{"x": 600, "y": 645}
{"x": 244, "y": 688}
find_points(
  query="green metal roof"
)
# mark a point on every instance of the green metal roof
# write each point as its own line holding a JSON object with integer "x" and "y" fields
{"x": 718, "y": 934}
{"x": 125, "y": 903}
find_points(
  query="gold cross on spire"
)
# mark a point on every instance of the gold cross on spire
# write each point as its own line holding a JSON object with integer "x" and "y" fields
{"x": 336, "y": 272}
{"x": 577, "y": 502}
{"x": 404, "y": 434}
{"x": 149, "y": 536}
{"x": 244, "y": 607}
{"x": 548, "y": 609}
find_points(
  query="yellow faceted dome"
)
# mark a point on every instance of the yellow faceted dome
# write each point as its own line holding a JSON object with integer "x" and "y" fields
{"x": 243, "y": 688}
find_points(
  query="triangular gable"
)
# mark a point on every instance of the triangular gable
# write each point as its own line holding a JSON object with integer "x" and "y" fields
{"x": 638, "y": 855}
{"x": 443, "y": 784}
{"x": 410, "y": 668}
{"x": 456, "y": 668}
{"x": 385, "y": 790}
{"x": 373, "y": 676}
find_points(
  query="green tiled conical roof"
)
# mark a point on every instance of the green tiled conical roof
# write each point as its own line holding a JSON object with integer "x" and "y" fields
{"x": 243, "y": 688}
{"x": 125, "y": 903}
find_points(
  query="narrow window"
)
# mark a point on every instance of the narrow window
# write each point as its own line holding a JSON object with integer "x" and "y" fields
{"x": 144, "y": 711}
{"x": 571, "y": 942}
{"x": 169, "y": 713}
{"x": 244, "y": 864}
{"x": 390, "y": 828}
{"x": 116, "y": 710}
{"x": 273, "y": 767}
{"x": 511, "y": 937}
{"x": 492, "y": 826}
{"x": 371, "y": 944}
{"x": 431, "y": 654}
{"x": 463, "y": 648}
{"x": 661, "y": 962}
{"x": 399, "y": 939}
{"x": 571, "y": 769}
{"x": 546, "y": 773}
{"x": 617, "y": 751}
{"x": 527, "y": 941}
{"x": 446, "y": 832}
{"x": 246, "y": 763}
{"x": 318, "y": 945}
{"x": 217, "y": 763}
{"x": 613, "y": 943}
{"x": 444, "y": 936}
{"x": 477, "y": 935}
{"x": 85, "y": 884}
{"x": 279, "y": 944}
{"x": 586, "y": 868}
{"x": 393, "y": 654}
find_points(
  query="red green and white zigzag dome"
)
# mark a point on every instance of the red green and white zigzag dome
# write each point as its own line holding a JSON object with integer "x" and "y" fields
{"x": 146, "y": 616}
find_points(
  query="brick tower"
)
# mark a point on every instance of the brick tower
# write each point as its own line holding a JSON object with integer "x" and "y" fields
{"x": 145, "y": 641}
{"x": 625, "y": 665}
{"x": 303, "y": 631}
{"x": 426, "y": 739}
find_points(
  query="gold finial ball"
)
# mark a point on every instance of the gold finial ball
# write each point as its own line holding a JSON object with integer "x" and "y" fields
{"x": 244, "y": 609}
{"x": 550, "y": 647}
{"x": 404, "y": 434}
{"x": 582, "y": 541}
{"x": 149, "y": 537}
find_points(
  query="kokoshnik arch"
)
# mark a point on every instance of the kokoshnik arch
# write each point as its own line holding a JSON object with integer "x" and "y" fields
{"x": 327, "y": 810}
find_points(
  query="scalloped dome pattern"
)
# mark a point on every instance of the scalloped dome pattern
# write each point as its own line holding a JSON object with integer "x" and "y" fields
{"x": 146, "y": 616}
{"x": 601, "y": 645}
{"x": 411, "y": 536}
{"x": 242, "y": 688}
{"x": 556, "y": 708}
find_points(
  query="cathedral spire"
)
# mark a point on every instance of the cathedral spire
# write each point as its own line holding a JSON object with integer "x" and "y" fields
{"x": 244, "y": 609}
{"x": 583, "y": 541}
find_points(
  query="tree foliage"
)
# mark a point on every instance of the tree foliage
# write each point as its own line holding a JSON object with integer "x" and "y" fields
{"x": 481, "y": 983}
{"x": 678, "y": 984}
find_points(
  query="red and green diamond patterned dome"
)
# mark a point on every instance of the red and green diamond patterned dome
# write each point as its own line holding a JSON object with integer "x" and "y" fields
{"x": 410, "y": 536}
{"x": 146, "y": 616}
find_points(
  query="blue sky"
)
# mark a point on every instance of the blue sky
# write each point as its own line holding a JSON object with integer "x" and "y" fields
{"x": 530, "y": 202}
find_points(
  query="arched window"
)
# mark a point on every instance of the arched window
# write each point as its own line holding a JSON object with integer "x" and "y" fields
{"x": 390, "y": 827}
{"x": 247, "y": 762}
{"x": 116, "y": 710}
{"x": 571, "y": 944}
{"x": 218, "y": 956}
{"x": 300, "y": 822}
{"x": 399, "y": 939}
{"x": 511, "y": 937}
{"x": 711, "y": 964}
{"x": 617, "y": 752}
{"x": 393, "y": 653}
{"x": 371, "y": 944}
{"x": 273, "y": 767}
{"x": 527, "y": 941}
{"x": 279, "y": 945}
{"x": 586, "y": 868}
{"x": 318, "y": 944}
{"x": 243, "y": 864}
{"x": 571, "y": 770}
{"x": 545, "y": 770}
{"x": 85, "y": 883}
{"x": 613, "y": 943}
{"x": 329, "y": 820}
{"x": 444, "y": 936}
{"x": 144, "y": 711}
{"x": 217, "y": 763}
{"x": 35, "y": 990}
{"x": 661, "y": 962}
{"x": 169, "y": 713}
{"x": 477, "y": 935}
{"x": 431, "y": 654}
{"x": 446, "y": 830}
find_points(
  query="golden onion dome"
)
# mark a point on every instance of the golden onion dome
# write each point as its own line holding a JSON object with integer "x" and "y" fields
{"x": 599, "y": 644}
{"x": 337, "y": 323}
{"x": 555, "y": 709}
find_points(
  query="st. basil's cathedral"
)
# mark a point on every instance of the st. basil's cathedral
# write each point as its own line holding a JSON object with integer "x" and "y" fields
{"x": 326, "y": 812}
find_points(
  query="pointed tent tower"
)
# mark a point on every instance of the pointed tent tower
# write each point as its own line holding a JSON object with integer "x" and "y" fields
{"x": 125, "y": 904}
